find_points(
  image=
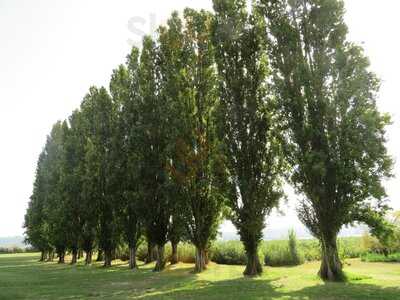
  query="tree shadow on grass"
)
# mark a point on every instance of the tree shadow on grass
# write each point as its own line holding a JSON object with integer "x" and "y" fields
{"x": 143, "y": 282}
{"x": 247, "y": 288}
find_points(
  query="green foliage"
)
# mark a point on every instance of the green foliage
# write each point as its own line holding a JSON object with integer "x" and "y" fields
{"x": 279, "y": 254}
{"x": 335, "y": 135}
{"x": 272, "y": 253}
{"x": 228, "y": 253}
{"x": 294, "y": 253}
{"x": 246, "y": 124}
{"x": 102, "y": 164}
{"x": 124, "y": 88}
{"x": 190, "y": 85}
{"x": 375, "y": 257}
{"x": 186, "y": 252}
{"x": 152, "y": 144}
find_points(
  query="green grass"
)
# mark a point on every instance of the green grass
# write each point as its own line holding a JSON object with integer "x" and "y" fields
{"x": 22, "y": 277}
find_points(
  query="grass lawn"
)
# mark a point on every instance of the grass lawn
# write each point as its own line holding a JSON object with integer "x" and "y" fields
{"x": 22, "y": 277}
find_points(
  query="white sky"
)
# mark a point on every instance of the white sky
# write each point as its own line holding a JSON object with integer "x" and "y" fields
{"x": 52, "y": 51}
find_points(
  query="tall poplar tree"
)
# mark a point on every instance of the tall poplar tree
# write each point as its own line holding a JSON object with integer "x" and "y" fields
{"x": 195, "y": 161}
{"x": 56, "y": 204}
{"x": 152, "y": 137}
{"x": 35, "y": 224}
{"x": 72, "y": 168}
{"x": 101, "y": 164}
{"x": 247, "y": 124}
{"x": 335, "y": 134}
{"x": 171, "y": 63}
{"x": 124, "y": 89}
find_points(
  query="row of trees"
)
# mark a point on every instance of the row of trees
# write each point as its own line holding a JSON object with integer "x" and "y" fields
{"x": 206, "y": 122}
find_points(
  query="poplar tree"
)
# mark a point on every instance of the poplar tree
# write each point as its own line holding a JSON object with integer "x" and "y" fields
{"x": 72, "y": 181}
{"x": 56, "y": 204}
{"x": 171, "y": 63}
{"x": 101, "y": 164}
{"x": 247, "y": 124}
{"x": 152, "y": 138}
{"x": 35, "y": 224}
{"x": 124, "y": 89}
{"x": 193, "y": 83}
{"x": 335, "y": 134}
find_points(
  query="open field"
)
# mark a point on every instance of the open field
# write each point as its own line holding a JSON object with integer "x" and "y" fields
{"x": 22, "y": 277}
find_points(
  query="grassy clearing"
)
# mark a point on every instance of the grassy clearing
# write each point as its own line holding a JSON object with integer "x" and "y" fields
{"x": 22, "y": 277}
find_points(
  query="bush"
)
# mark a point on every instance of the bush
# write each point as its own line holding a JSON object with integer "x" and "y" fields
{"x": 375, "y": 257}
{"x": 351, "y": 247}
{"x": 296, "y": 258}
{"x": 285, "y": 253}
{"x": 273, "y": 253}
{"x": 228, "y": 253}
{"x": 374, "y": 245}
{"x": 310, "y": 249}
{"x": 186, "y": 252}
{"x": 141, "y": 252}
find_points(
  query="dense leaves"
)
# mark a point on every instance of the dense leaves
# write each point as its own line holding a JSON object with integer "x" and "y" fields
{"x": 335, "y": 135}
{"x": 247, "y": 124}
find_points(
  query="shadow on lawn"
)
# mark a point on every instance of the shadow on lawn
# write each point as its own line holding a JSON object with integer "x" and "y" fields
{"x": 247, "y": 288}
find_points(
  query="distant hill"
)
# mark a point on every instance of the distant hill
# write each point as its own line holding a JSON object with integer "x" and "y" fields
{"x": 15, "y": 241}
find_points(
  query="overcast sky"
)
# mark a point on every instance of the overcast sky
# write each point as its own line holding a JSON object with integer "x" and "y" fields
{"x": 52, "y": 51}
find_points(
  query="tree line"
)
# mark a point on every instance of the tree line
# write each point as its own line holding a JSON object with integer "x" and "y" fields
{"x": 207, "y": 121}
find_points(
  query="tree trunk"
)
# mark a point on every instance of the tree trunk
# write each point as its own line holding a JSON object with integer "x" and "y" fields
{"x": 200, "y": 260}
{"x": 160, "y": 265}
{"x": 174, "y": 255}
{"x": 132, "y": 258}
{"x": 74, "y": 256}
{"x": 88, "y": 259}
{"x": 43, "y": 256}
{"x": 253, "y": 266}
{"x": 331, "y": 266}
{"x": 61, "y": 257}
{"x": 50, "y": 256}
{"x": 151, "y": 253}
{"x": 107, "y": 258}
{"x": 80, "y": 253}
{"x": 385, "y": 252}
{"x": 114, "y": 254}
{"x": 100, "y": 256}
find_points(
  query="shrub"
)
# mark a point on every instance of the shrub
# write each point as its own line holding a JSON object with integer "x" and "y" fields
{"x": 310, "y": 249}
{"x": 375, "y": 257}
{"x": 285, "y": 253}
{"x": 296, "y": 258}
{"x": 228, "y": 253}
{"x": 351, "y": 247}
{"x": 141, "y": 252}
{"x": 186, "y": 252}
{"x": 273, "y": 253}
